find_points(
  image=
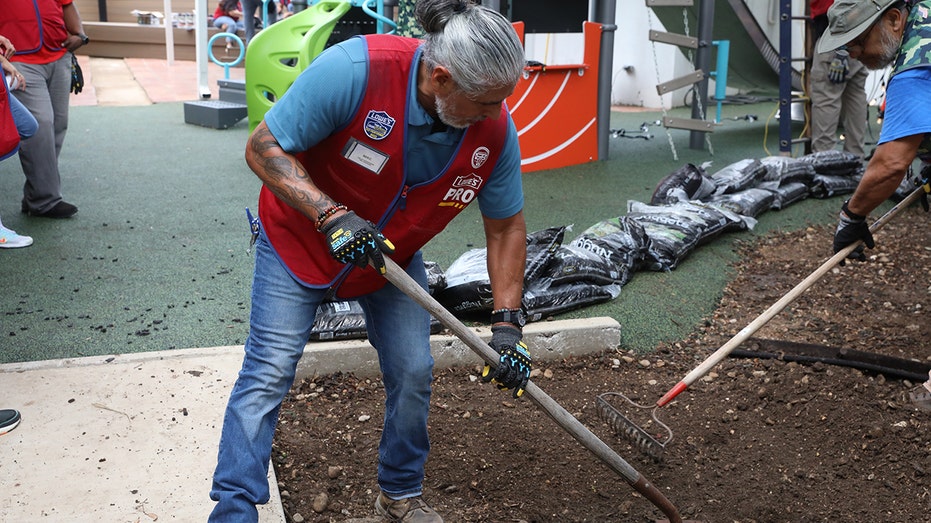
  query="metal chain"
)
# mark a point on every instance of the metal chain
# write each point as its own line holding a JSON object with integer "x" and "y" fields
{"x": 672, "y": 144}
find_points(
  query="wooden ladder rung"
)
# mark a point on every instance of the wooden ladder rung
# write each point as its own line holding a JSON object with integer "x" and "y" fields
{"x": 670, "y": 3}
{"x": 674, "y": 39}
{"x": 689, "y": 124}
{"x": 689, "y": 79}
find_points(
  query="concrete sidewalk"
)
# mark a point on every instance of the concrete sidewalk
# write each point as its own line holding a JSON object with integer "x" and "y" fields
{"x": 143, "y": 81}
{"x": 133, "y": 437}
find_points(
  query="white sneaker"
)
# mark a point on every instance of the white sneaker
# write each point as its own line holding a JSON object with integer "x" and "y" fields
{"x": 10, "y": 240}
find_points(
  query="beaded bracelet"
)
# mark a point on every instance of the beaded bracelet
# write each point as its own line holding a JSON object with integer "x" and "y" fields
{"x": 330, "y": 211}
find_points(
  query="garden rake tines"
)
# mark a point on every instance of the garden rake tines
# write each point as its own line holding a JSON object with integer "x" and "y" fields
{"x": 655, "y": 447}
{"x": 653, "y": 442}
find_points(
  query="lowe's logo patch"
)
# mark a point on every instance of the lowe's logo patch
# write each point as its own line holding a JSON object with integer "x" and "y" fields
{"x": 479, "y": 157}
{"x": 462, "y": 192}
{"x": 378, "y": 125}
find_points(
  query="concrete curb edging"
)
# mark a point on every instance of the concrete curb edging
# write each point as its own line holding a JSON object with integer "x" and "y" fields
{"x": 548, "y": 341}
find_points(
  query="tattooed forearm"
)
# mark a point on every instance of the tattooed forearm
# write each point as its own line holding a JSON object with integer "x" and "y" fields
{"x": 284, "y": 175}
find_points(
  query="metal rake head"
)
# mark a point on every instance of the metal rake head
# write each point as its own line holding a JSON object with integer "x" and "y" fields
{"x": 654, "y": 446}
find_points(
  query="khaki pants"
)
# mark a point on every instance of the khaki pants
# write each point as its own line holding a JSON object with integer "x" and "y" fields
{"x": 841, "y": 104}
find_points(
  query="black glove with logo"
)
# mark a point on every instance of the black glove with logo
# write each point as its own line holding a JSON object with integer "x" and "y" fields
{"x": 356, "y": 241}
{"x": 837, "y": 71}
{"x": 852, "y": 228}
{"x": 513, "y": 370}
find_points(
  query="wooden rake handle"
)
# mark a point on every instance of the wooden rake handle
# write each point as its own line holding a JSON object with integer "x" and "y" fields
{"x": 777, "y": 307}
{"x": 561, "y": 416}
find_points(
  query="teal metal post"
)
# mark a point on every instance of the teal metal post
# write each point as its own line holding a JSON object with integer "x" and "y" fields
{"x": 720, "y": 75}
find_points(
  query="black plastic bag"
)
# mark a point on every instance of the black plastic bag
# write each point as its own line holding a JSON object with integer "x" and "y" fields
{"x": 468, "y": 286}
{"x": 688, "y": 182}
{"x": 620, "y": 241}
{"x": 835, "y": 163}
{"x": 739, "y": 176}
{"x": 750, "y": 202}
{"x": 826, "y": 186}
{"x": 572, "y": 264}
{"x": 545, "y": 300}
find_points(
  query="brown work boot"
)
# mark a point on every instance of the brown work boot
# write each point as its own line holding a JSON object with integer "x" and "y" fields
{"x": 412, "y": 510}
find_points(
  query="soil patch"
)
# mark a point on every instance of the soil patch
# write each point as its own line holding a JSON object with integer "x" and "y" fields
{"x": 756, "y": 440}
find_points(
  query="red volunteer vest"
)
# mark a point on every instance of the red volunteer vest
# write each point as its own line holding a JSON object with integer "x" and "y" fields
{"x": 33, "y": 24}
{"x": 409, "y": 216}
{"x": 9, "y": 136}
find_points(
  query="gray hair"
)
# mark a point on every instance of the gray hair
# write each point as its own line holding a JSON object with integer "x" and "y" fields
{"x": 477, "y": 44}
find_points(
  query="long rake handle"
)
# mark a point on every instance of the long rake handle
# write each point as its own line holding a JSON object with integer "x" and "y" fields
{"x": 561, "y": 416}
{"x": 777, "y": 307}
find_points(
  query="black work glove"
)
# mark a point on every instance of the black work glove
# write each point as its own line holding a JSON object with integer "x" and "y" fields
{"x": 77, "y": 76}
{"x": 356, "y": 241}
{"x": 837, "y": 71}
{"x": 852, "y": 228}
{"x": 513, "y": 370}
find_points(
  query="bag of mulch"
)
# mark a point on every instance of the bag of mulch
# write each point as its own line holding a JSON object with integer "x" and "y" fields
{"x": 785, "y": 169}
{"x": 468, "y": 286}
{"x": 825, "y": 186}
{"x": 344, "y": 320}
{"x": 785, "y": 194}
{"x": 572, "y": 264}
{"x": 739, "y": 176}
{"x": 338, "y": 320}
{"x": 688, "y": 182}
{"x": 750, "y": 202}
{"x": 545, "y": 300}
{"x": 672, "y": 235}
{"x": 622, "y": 242}
{"x": 834, "y": 163}
{"x": 436, "y": 279}
{"x": 541, "y": 247}
{"x": 709, "y": 221}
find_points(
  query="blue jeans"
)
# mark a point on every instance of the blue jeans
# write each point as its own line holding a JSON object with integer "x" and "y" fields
{"x": 282, "y": 316}
{"x": 26, "y": 124}
{"x": 232, "y": 26}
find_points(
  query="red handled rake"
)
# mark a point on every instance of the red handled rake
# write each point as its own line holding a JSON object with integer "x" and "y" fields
{"x": 655, "y": 446}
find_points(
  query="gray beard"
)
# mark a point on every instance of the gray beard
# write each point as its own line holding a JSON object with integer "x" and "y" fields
{"x": 888, "y": 50}
{"x": 442, "y": 112}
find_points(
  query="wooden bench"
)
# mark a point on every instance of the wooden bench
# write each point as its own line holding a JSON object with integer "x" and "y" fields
{"x": 132, "y": 40}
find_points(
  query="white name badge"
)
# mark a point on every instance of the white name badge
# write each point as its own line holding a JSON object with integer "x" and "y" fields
{"x": 364, "y": 155}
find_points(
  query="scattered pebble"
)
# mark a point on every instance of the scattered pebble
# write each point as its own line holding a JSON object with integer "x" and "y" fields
{"x": 321, "y": 502}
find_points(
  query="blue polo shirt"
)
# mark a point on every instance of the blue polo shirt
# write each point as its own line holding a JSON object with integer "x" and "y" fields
{"x": 326, "y": 95}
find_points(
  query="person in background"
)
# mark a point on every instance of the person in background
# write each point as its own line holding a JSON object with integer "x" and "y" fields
{"x": 227, "y": 17}
{"x": 838, "y": 92}
{"x": 17, "y": 124}
{"x": 379, "y": 143}
{"x": 44, "y": 33}
{"x": 253, "y": 13}
{"x": 880, "y": 33}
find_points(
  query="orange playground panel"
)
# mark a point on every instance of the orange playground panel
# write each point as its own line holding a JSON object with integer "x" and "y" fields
{"x": 555, "y": 108}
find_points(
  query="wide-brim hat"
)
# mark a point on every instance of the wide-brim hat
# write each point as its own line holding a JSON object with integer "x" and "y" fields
{"x": 848, "y": 19}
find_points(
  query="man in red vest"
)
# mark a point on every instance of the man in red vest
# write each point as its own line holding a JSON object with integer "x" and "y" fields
{"x": 379, "y": 143}
{"x": 45, "y": 32}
